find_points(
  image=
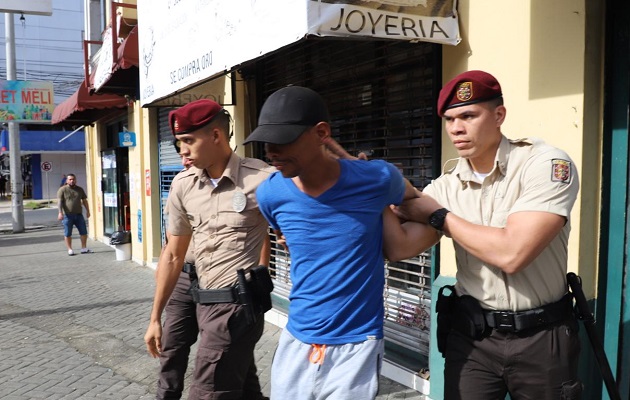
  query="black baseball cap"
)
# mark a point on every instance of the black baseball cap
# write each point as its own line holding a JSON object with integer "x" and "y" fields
{"x": 288, "y": 113}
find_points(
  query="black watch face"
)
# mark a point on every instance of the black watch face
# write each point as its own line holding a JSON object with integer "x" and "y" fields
{"x": 436, "y": 219}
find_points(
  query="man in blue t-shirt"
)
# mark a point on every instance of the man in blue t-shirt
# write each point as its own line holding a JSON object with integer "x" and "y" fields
{"x": 330, "y": 212}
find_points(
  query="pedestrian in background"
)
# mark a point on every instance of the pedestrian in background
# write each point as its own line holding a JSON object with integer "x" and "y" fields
{"x": 3, "y": 186}
{"x": 71, "y": 198}
{"x": 506, "y": 204}
{"x": 214, "y": 203}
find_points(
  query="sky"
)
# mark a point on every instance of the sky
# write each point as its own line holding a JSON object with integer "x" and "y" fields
{"x": 48, "y": 48}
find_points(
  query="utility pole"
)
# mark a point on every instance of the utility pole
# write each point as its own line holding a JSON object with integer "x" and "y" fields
{"x": 17, "y": 185}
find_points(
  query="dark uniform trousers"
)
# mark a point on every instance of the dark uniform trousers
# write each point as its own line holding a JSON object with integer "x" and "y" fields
{"x": 178, "y": 335}
{"x": 225, "y": 367}
{"x": 536, "y": 364}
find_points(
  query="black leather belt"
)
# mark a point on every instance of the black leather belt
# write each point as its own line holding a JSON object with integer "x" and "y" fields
{"x": 516, "y": 321}
{"x": 189, "y": 268}
{"x": 215, "y": 296}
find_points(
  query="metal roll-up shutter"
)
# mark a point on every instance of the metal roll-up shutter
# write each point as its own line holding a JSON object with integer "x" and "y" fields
{"x": 381, "y": 97}
{"x": 168, "y": 159}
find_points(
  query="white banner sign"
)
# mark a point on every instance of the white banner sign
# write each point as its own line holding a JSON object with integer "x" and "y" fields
{"x": 183, "y": 43}
{"x": 105, "y": 61}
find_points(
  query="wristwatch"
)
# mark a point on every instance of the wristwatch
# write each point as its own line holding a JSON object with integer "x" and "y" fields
{"x": 437, "y": 217}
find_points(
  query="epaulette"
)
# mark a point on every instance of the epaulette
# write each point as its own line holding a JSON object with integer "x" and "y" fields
{"x": 255, "y": 163}
{"x": 446, "y": 169}
{"x": 524, "y": 141}
{"x": 186, "y": 173}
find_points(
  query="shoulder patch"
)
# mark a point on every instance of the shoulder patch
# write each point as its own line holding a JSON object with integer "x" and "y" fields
{"x": 560, "y": 170}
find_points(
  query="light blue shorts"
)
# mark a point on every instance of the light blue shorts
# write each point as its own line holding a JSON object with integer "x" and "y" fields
{"x": 303, "y": 371}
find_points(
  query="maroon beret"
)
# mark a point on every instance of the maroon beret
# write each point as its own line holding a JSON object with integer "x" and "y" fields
{"x": 193, "y": 116}
{"x": 468, "y": 88}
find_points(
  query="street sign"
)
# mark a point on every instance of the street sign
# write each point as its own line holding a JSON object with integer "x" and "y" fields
{"x": 46, "y": 166}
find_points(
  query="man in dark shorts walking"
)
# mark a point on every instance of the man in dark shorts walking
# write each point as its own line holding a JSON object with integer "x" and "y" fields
{"x": 70, "y": 198}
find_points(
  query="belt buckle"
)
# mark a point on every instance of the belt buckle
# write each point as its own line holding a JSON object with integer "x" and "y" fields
{"x": 504, "y": 321}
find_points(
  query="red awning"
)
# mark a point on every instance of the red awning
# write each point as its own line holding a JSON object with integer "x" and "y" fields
{"x": 128, "y": 51}
{"x": 83, "y": 108}
{"x": 124, "y": 78}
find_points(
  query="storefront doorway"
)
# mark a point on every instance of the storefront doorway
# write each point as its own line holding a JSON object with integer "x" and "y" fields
{"x": 115, "y": 180}
{"x": 115, "y": 186}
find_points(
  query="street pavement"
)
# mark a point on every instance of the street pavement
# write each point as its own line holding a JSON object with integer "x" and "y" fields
{"x": 73, "y": 327}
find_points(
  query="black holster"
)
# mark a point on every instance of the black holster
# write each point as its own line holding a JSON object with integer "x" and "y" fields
{"x": 469, "y": 318}
{"x": 254, "y": 293}
{"x": 445, "y": 307}
{"x": 461, "y": 313}
{"x": 261, "y": 288}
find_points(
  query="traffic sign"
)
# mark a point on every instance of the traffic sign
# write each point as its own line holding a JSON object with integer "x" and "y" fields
{"x": 46, "y": 166}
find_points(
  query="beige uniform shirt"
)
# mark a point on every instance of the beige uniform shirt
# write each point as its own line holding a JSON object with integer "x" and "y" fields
{"x": 190, "y": 254}
{"x": 528, "y": 175}
{"x": 227, "y": 227}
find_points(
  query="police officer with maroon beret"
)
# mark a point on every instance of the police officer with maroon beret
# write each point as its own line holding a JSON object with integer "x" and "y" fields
{"x": 506, "y": 204}
{"x": 214, "y": 203}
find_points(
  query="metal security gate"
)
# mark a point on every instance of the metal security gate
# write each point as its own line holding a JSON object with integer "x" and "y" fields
{"x": 169, "y": 161}
{"x": 381, "y": 96}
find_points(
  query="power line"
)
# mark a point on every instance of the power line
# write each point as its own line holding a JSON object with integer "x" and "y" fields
{"x": 52, "y": 27}
{"x": 48, "y": 40}
{"x": 53, "y": 64}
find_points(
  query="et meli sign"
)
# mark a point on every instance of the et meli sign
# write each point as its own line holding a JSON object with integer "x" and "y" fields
{"x": 26, "y": 102}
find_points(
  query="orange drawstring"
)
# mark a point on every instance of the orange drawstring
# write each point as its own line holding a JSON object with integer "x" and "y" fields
{"x": 317, "y": 354}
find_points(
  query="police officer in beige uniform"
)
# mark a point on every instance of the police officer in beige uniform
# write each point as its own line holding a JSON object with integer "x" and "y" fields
{"x": 214, "y": 202}
{"x": 506, "y": 204}
{"x": 180, "y": 328}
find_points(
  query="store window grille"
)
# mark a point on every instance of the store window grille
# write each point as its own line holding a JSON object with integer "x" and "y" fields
{"x": 381, "y": 97}
{"x": 169, "y": 161}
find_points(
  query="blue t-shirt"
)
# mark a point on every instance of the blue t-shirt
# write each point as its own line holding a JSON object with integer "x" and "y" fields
{"x": 335, "y": 241}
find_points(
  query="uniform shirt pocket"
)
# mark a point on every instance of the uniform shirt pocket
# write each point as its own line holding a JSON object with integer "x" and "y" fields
{"x": 238, "y": 226}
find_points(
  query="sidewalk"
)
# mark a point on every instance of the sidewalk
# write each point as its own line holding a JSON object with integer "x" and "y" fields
{"x": 73, "y": 327}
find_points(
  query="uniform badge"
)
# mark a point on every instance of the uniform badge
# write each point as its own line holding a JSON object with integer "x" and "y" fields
{"x": 560, "y": 170}
{"x": 239, "y": 201}
{"x": 464, "y": 91}
{"x": 176, "y": 125}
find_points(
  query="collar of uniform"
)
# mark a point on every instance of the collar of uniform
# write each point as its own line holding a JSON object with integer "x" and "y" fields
{"x": 465, "y": 173}
{"x": 230, "y": 172}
